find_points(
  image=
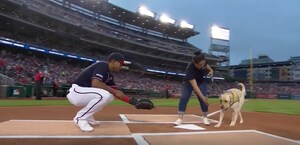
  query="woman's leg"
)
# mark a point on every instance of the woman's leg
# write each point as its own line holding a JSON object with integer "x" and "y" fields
{"x": 185, "y": 96}
{"x": 203, "y": 106}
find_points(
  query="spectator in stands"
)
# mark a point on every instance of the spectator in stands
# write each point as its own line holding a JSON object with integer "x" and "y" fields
{"x": 0, "y": 80}
{"x": 39, "y": 78}
{"x": 167, "y": 89}
{"x": 194, "y": 81}
{"x": 55, "y": 87}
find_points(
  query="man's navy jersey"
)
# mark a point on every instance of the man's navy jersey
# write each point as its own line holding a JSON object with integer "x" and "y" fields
{"x": 98, "y": 70}
{"x": 193, "y": 73}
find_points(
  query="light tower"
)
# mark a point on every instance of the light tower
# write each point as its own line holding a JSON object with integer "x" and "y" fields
{"x": 219, "y": 43}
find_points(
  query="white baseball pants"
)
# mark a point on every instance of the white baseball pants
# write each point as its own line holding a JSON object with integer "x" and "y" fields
{"x": 94, "y": 99}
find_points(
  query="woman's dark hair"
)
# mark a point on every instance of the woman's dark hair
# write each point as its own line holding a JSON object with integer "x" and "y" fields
{"x": 198, "y": 56}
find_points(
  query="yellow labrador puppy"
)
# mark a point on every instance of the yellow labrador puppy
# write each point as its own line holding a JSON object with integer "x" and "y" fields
{"x": 234, "y": 99}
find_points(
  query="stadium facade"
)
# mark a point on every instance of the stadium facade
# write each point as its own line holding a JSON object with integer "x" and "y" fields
{"x": 93, "y": 29}
{"x": 296, "y": 69}
{"x": 265, "y": 69}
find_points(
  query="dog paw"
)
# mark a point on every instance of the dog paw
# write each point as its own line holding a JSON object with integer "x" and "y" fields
{"x": 217, "y": 125}
{"x": 232, "y": 124}
{"x": 241, "y": 121}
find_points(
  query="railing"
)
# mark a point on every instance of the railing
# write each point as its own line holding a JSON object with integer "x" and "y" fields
{"x": 5, "y": 80}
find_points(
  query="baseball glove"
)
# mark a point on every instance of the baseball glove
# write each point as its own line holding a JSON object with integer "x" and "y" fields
{"x": 144, "y": 104}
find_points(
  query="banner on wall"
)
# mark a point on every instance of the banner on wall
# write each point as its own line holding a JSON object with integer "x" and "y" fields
{"x": 266, "y": 96}
{"x": 283, "y": 73}
{"x": 296, "y": 97}
{"x": 284, "y": 96}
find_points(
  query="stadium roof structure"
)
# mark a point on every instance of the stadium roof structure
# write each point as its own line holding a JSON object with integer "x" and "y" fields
{"x": 262, "y": 65}
{"x": 103, "y": 7}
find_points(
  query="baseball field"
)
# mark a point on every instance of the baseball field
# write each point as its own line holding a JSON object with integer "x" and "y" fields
{"x": 266, "y": 121}
{"x": 289, "y": 107}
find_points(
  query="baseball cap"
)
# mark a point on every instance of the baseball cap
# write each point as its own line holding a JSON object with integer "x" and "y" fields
{"x": 118, "y": 57}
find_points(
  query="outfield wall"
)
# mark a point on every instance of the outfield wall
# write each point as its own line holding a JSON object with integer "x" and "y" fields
{"x": 27, "y": 91}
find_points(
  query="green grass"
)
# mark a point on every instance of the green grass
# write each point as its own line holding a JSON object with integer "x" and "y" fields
{"x": 157, "y": 102}
{"x": 291, "y": 107}
{"x": 168, "y": 102}
{"x": 11, "y": 103}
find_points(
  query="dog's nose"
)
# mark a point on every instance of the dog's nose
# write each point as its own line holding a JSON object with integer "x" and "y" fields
{"x": 222, "y": 107}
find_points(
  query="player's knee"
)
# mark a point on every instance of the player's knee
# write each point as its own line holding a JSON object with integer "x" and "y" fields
{"x": 110, "y": 98}
{"x": 106, "y": 96}
{"x": 107, "y": 99}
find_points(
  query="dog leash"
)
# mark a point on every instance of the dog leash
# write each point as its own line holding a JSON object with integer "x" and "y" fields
{"x": 233, "y": 99}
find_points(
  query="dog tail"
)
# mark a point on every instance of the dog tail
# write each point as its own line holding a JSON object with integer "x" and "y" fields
{"x": 243, "y": 88}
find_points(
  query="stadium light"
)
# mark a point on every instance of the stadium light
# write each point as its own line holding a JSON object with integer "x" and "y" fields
{"x": 144, "y": 11}
{"x": 184, "y": 24}
{"x": 166, "y": 19}
{"x": 219, "y": 33}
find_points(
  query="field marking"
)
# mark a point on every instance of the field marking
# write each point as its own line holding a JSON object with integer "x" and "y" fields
{"x": 217, "y": 132}
{"x": 192, "y": 133}
{"x": 137, "y": 122}
{"x": 139, "y": 139}
{"x": 124, "y": 118}
{"x": 65, "y": 136}
{"x": 138, "y": 136}
{"x": 5, "y": 107}
{"x": 155, "y": 114}
{"x": 16, "y": 120}
{"x": 276, "y": 136}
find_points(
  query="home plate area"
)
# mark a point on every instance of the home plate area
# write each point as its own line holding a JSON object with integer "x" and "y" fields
{"x": 58, "y": 128}
{"x": 161, "y": 118}
{"x": 65, "y": 129}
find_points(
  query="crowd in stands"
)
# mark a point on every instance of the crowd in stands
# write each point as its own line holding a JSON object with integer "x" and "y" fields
{"x": 63, "y": 46}
{"x": 217, "y": 88}
{"x": 22, "y": 68}
{"x": 140, "y": 81}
